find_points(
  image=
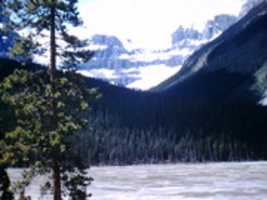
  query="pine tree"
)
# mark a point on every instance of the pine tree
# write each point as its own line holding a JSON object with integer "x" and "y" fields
{"x": 43, "y": 139}
{"x": 5, "y": 191}
{"x": 53, "y": 17}
{"x": 49, "y": 108}
{"x": 15, "y": 46}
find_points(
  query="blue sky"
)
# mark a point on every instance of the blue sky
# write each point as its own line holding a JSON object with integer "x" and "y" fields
{"x": 149, "y": 23}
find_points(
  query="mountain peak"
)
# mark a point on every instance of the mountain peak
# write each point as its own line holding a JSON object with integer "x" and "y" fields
{"x": 232, "y": 64}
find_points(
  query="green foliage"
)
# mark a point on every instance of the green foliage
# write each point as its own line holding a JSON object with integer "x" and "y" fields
{"x": 76, "y": 185}
{"x": 40, "y": 137}
{"x": 49, "y": 110}
{"x": 6, "y": 122}
{"x": 36, "y": 16}
{"x": 23, "y": 48}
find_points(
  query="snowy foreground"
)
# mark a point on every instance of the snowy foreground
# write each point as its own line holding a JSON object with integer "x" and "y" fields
{"x": 219, "y": 181}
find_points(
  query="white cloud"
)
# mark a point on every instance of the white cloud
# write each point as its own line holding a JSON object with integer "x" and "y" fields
{"x": 149, "y": 23}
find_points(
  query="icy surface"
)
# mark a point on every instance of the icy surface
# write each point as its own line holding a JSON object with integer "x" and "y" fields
{"x": 219, "y": 181}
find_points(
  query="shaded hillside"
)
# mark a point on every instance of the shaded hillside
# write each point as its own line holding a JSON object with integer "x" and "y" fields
{"x": 143, "y": 127}
{"x": 229, "y": 64}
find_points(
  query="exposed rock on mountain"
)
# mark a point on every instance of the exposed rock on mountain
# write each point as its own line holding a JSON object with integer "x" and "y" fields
{"x": 248, "y": 6}
{"x": 234, "y": 64}
{"x": 219, "y": 24}
{"x": 121, "y": 66}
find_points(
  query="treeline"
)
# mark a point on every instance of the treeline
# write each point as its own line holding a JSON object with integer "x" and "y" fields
{"x": 124, "y": 146}
{"x": 130, "y": 127}
{"x": 143, "y": 127}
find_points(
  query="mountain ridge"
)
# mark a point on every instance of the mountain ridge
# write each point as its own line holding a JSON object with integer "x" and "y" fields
{"x": 240, "y": 50}
{"x": 114, "y": 56}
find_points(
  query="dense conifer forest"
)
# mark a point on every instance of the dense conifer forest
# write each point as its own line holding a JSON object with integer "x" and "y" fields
{"x": 131, "y": 127}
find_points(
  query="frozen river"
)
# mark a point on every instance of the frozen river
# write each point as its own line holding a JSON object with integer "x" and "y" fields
{"x": 214, "y": 181}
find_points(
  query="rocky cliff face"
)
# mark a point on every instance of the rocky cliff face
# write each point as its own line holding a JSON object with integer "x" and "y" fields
{"x": 219, "y": 24}
{"x": 115, "y": 63}
{"x": 234, "y": 64}
{"x": 249, "y": 5}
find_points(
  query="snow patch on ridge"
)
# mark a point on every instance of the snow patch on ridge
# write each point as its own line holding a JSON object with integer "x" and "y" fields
{"x": 102, "y": 73}
{"x": 263, "y": 101}
{"x": 144, "y": 77}
{"x": 151, "y": 76}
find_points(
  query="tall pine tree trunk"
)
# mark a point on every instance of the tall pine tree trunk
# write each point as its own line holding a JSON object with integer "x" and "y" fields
{"x": 52, "y": 65}
{"x": 52, "y": 74}
{"x": 56, "y": 181}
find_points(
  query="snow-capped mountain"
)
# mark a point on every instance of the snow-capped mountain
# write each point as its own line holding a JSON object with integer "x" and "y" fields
{"x": 233, "y": 66}
{"x": 120, "y": 62}
{"x": 143, "y": 69}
